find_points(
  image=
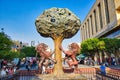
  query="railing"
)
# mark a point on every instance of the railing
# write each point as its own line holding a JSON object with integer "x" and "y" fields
{"x": 28, "y": 75}
{"x": 112, "y": 74}
{"x": 89, "y": 73}
{"x": 14, "y": 76}
{"x": 21, "y": 75}
{"x": 108, "y": 76}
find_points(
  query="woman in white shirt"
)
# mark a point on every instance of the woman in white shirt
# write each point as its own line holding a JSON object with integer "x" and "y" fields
{"x": 3, "y": 72}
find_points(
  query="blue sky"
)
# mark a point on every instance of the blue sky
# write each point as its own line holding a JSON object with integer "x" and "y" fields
{"x": 17, "y": 17}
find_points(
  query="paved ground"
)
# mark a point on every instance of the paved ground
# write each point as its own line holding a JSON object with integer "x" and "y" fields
{"x": 86, "y": 66}
{"x": 116, "y": 67}
{"x": 80, "y": 66}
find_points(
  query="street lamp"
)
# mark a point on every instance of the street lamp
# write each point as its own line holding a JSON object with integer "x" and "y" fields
{"x": 2, "y": 30}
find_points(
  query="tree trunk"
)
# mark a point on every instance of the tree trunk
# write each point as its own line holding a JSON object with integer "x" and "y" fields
{"x": 105, "y": 55}
{"x": 100, "y": 54}
{"x": 96, "y": 58}
{"x": 58, "y": 69}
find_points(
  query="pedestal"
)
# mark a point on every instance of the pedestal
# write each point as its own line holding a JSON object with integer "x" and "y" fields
{"x": 65, "y": 76}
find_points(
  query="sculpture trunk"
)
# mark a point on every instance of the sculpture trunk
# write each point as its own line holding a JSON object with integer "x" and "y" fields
{"x": 58, "y": 69}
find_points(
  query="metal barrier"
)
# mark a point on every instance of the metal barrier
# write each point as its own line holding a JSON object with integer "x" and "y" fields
{"x": 14, "y": 76}
{"x": 28, "y": 75}
{"x": 99, "y": 76}
{"x": 112, "y": 74}
{"x": 21, "y": 75}
{"x": 89, "y": 73}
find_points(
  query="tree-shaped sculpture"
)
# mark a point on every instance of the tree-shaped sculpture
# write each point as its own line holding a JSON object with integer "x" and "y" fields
{"x": 57, "y": 23}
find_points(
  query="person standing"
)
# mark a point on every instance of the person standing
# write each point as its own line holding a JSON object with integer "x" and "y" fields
{"x": 3, "y": 72}
{"x": 103, "y": 69}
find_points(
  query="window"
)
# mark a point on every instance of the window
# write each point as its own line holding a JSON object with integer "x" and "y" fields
{"x": 88, "y": 28}
{"x": 106, "y": 11}
{"x": 95, "y": 20}
{"x": 91, "y": 23}
{"x": 100, "y": 16}
{"x": 85, "y": 31}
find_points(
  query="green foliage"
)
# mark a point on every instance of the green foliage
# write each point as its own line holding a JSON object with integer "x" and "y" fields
{"x": 5, "y": 44}
{"x": 10, "y": 55}
{"x": 103, "y": 44}
{"x": 2, "y": 55}
{"x": 90, "y": 45}
{"x": 111, "y": 44}
{"x": 29, "y": 51}
{"x": 22, "y": 55}
{"x": 118, "y": 43}
{"x": 84, "y": 47}
{"x": 5, "y": 47}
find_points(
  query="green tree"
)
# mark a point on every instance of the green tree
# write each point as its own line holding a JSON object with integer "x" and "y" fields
{"x": 5, "y": 44}
{"x": 116, "y": 44}
{"x": 90, "y": 46}
{"x": 93, "y": 47}
{"x": 29, "y": 51}
{"x": 111, "y": 45}
{"x": 117, "y": 47}
{"x": 10, "y": 55}
{"x": 22, "y": 55}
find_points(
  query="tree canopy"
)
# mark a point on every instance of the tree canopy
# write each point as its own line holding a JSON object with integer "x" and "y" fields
{"x": 111, "y": 44}
{"x": 92, "y": 45}
{"x": 5, "y": 44}
{"x": 29, "y": 51}
{"x": 100, "y": 44}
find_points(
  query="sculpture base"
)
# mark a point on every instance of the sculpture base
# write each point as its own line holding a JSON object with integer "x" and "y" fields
{"x": 65, "y": 76}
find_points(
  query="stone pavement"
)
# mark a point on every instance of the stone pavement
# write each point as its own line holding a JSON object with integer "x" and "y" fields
{"x": 82, "y": 66}
{"x": 86, "y": 66}
{"x": 116, "y": 66}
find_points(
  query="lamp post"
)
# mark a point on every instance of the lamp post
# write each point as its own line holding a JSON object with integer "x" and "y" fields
{"x": 2, "y": 30}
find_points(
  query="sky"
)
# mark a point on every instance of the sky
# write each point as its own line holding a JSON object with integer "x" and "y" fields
{"x": 17, "y": 17}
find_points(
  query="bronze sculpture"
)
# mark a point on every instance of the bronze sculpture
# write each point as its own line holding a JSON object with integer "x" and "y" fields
{"x": 45, "y": 55}
{"x": 58, "y": 24}
{"x": 73, "y": 49}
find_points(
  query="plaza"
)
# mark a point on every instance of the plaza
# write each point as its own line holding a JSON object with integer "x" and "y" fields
{"x": 93, "y": 55}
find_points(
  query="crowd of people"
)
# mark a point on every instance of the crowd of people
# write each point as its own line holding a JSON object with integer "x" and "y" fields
{"x": 107, "y": 61}
{"x": 30, "y": 63}
{"x": 7, "y": 68}
{"x": 10, "y": 67}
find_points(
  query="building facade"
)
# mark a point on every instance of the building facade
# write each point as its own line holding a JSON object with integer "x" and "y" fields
{"x": 103, "y": 20}
{"x": 17, "y": 45}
